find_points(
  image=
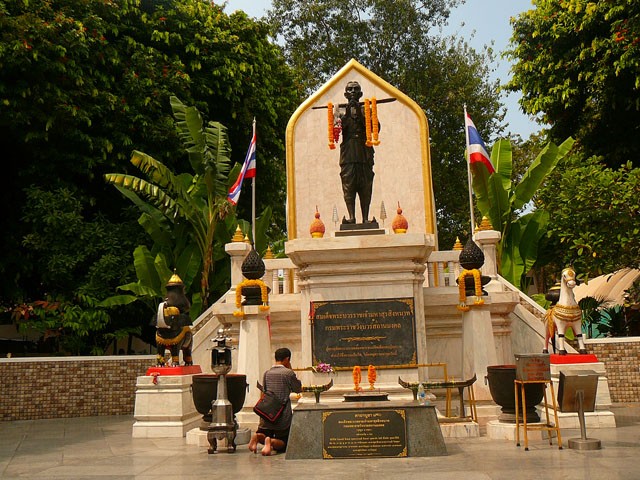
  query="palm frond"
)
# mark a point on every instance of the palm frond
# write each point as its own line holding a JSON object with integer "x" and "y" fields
{"x": 161, "y": 200}
{"x": 159, "y": 174}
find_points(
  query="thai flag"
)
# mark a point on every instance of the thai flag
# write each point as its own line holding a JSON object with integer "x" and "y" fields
{"x": 475, "y": 146}
{"x": 248, "y": 170}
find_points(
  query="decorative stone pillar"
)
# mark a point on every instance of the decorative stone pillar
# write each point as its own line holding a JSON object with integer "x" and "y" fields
{"x": 488, "y": 239}
{"x": 254, "y": 344}
{"x": 254, "y": 350}
{"x": 478, "y": 343}
{"x": 238, "y": 252}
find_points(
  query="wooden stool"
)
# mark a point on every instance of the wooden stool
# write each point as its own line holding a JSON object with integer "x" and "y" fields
{"x": 519, "y": 390}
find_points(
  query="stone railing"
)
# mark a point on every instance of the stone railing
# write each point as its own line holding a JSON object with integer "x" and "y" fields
{"x": 442, "y": 269}
{"x": 281, "y": 276}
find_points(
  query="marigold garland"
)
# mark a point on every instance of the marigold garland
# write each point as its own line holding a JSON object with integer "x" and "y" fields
{"x": 374, "y": 122}
{"x": 332, "y": 144}
{"x": 462, "y": 305}
{"x": 357, "y": 377}
{"x": 367, "y": 120}
{"x": 371, "y": 376}
{"x": 264, "y": 293}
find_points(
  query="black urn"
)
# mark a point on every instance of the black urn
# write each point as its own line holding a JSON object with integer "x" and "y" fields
{"x": 553, "y": 295}
{"x": 204, "y": 389}
{"x": 501, "y": 380}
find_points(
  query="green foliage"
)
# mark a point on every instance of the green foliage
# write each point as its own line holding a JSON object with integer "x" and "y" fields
{"x": 82, "y": 82}
{"x": 502, "y": 202}
{"x": 194, "y": 204}
{"x": 69, "y": 253}
{"x": 400, "y": 42}
{"x": 591, "y": 314}
{"x": 595, "y": 223}
{"x": 577, "y": 64}
{"x": 540, "y": 299}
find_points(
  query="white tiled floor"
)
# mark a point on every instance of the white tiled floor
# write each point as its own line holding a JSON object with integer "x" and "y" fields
{"x": 103, "y": 448}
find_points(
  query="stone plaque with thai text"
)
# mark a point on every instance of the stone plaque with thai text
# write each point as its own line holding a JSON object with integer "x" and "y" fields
{"x": 364, "y": 433}
{"x": 379, "y": 332}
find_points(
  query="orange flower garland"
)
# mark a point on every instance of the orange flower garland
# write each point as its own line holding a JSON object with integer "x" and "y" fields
{"x": 462, "y": 306}
{"x": 367, "y": 120}
{"x": 374, "y": 122}
{"x": 357, "y": 377}
{"x": 332, "y": 144}
{"x": 264, "y": 293}
{"x": 371, "y": 376}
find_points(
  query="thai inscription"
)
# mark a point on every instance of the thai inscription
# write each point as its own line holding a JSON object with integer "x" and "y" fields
{"x": 380, "y": 332}
{"x": 368, "y": 433}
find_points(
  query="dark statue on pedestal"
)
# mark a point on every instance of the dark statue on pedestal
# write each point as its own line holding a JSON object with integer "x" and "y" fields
{"x": 356, "y": 157}
{"x": 173, "y": 324}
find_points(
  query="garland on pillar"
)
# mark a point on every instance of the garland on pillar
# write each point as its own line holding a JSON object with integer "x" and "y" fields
{"x": 462, "y": 305}
{"x": 264, "y": 293}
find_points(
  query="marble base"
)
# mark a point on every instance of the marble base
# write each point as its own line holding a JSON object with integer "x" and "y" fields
{"x": 603, "y": 396}
{"x": 459, "y": 429}
{"x": 165, "y": 408}
{"x": 423, "y": 434}
{"x": 497, "y": 430}
{"x": 597, "y": 419}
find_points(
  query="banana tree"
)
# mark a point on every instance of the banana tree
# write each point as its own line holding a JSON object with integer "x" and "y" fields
{"x": 501, "y": 201}
{"x": 152, "y": 268}
{"x": 182, "y": 212}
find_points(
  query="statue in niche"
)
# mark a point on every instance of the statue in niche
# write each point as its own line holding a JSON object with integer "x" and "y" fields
{"x": 356, "y": 156}
{"x": 358, "y": 123}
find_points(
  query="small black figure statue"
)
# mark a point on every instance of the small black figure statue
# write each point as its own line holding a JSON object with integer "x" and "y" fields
{"x": 356, "y": 158}
{"x": 173, "y": 324}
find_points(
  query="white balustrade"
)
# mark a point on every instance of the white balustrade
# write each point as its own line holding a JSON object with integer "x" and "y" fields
{"x": 282, "y": 275}
{"x": 443, "y": 269}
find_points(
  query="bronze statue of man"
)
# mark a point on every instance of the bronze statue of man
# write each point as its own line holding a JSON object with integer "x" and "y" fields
{"x": 356, "y": 158}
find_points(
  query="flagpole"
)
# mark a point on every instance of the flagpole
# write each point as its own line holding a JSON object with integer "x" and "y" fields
{"x": 253, "y": 198}
{"x": 468, "y": 161}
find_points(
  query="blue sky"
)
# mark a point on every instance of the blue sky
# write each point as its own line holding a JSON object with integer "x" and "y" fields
{"x": 479, "y": 22}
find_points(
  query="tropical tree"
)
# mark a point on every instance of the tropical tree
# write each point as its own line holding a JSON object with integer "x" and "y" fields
{"x": 400, "y": 42}
{"x": 187, "y": 207}
{"x": 577, "y": 64}
{"x": 595, "y": 225}
{"x": 82, "y": 82}
{"x": 502, "y": 201}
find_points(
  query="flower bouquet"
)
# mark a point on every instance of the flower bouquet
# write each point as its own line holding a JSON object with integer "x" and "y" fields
{"x": 323, "y": 368}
